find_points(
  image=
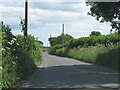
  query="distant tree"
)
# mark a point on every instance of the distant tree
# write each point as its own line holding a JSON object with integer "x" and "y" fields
{"x": 63, "y": 38}
{"x": 95, "y": 33}
{"x": 106, "y": 12}
{"x": 60, "y": 39}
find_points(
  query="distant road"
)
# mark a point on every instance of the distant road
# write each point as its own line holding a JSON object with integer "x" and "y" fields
{"x": 59, "y": 72}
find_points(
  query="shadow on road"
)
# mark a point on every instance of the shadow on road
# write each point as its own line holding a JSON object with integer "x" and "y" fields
{"x": 73, "y": 76}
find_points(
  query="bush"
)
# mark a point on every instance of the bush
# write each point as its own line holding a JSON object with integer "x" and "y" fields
{"x": 20, "y": 56}
{"x": 60, "y": 39}
{"x": 55, "y": 48}
{"x": 61, "y": 52}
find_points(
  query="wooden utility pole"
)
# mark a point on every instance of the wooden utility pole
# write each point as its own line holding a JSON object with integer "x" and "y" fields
{"x": 63, "y": 34}
{"x": 26, "y": 18}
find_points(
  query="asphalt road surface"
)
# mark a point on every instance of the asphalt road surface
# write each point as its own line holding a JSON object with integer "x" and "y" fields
{"x": 60, "y": 72}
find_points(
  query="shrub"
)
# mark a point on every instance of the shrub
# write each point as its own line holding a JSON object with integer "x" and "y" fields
{"x": 20, "y": 56}
{"x": 54, "y": 48}
{"x": 94, "y": 40}
{"x": 61, "y": 52}
{"x": 60, "y": 39}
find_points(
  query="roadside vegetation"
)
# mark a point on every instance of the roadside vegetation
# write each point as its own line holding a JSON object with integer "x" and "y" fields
{"x": 45, "y": 49}
{"x": 20, "y": 57}
{"x": 97, "y": 49}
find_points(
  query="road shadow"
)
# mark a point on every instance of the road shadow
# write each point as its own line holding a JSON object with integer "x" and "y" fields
{"x": 73, "y": 76}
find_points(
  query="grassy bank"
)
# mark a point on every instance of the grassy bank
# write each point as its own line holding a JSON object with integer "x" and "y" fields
{"x": 100, "y": 55}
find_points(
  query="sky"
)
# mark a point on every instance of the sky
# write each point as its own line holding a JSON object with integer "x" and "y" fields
{"x": 46, "y": 18}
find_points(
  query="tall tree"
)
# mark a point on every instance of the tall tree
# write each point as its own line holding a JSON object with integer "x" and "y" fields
{"x": 106, "y": 12}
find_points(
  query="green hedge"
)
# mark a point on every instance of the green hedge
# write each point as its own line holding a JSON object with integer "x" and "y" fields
{"x": 94, "y": 40}
{"x": 55, "y": 48}
{"x": 20, "y": 57}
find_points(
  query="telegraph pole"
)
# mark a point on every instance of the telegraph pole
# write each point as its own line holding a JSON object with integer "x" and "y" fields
{"x": 26, "y": 18}
{"x": 63, "y": 34}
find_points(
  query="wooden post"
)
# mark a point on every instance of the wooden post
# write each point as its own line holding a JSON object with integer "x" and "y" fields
{"x": 26, "y": 18}
{"x": 63, "y": 34}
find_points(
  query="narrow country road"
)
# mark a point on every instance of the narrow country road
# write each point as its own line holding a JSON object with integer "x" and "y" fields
{"x": 59, "y": 72}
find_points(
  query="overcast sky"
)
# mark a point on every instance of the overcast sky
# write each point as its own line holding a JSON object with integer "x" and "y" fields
{"x": 46, "y": 18}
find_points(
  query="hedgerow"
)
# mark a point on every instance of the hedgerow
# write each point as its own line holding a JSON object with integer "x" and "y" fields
{"x": 94, "y": 40}
{"x": 20, "y": 57}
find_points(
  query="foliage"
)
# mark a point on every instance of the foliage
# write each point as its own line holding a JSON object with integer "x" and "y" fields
{"x": 110, "y": 58}
{"x": 45, "y": 49}
{"x": 106, "y": 11}
{"x": 55, "y": 48}
{"x": 62, "y": 39}
{"x": 94, "y": 40}
{"x": 95, "y": 33}
{"x": 61, "y": 52}
{"x": 20, "y": 56}
{"x": 24, "y": 28}
{"x": 0, "y": 56}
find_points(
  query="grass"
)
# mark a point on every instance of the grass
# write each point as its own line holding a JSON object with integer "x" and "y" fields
{"x": 100, "y": 55}
{"x": 87, "y": 54}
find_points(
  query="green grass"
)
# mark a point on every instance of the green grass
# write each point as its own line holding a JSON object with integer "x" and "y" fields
{"x": 100, "y": 55}
{"x": 87, "y": 54}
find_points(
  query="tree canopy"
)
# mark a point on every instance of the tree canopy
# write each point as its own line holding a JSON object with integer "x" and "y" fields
{"x": 95, "y": 33}
{"x": 106, "y": 12}
{"x": 60, "y": 39}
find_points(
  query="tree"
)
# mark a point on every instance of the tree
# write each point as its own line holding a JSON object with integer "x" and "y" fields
{"x": 106, "y": 12}
{"x": 59, "y": 40}
{"x": 95, "y": 33}
{"x": 63, "y": 38}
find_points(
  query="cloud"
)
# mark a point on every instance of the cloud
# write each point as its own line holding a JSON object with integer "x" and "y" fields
{"x": 11, "y": 15}
{"x": 61, "y": 6}
{"x": 47, "y": 18}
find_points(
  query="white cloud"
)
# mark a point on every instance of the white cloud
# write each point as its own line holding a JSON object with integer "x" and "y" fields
{"x": 44, "y": 21}
{"x": 11, "y": 15}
